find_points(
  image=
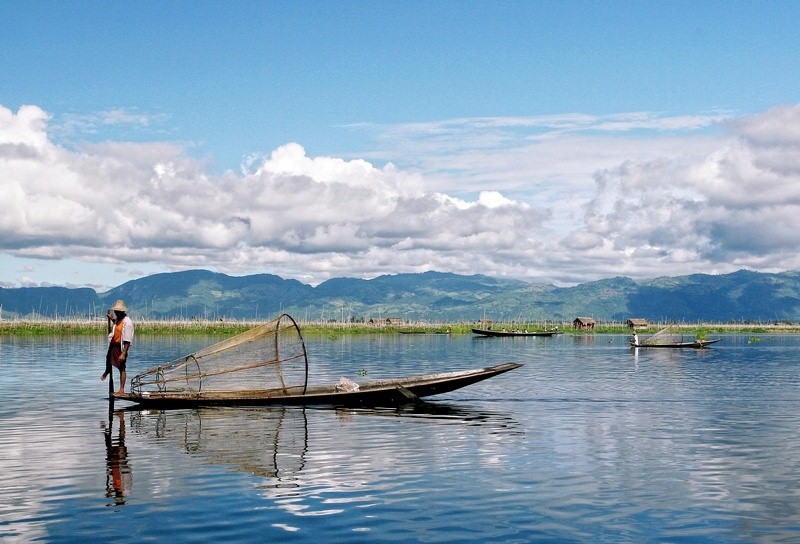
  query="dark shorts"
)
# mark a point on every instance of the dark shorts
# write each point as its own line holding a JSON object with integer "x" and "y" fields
{"x": 112, "y": 357}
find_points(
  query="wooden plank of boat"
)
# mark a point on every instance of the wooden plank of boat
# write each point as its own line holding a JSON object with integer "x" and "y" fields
{"x": 489, "y": 332}
{"x": 388, "y": 392}
{"x": 697, "y": 344}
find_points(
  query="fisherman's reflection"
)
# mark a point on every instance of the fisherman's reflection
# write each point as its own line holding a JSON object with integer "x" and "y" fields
{"x": 118, "y": 473}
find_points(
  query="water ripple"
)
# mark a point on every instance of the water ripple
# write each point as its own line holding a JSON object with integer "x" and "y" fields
{"x": 588, "y": 442}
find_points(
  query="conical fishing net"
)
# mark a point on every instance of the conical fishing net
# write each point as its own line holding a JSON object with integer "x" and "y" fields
{"x": 664, "y": 337}
{"x": 268, "y": 357}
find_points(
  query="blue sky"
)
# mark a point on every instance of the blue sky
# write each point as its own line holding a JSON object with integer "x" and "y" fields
{"x": 558, "y": 142}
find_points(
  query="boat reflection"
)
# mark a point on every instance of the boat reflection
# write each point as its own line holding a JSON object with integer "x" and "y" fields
{"x": 267, "y": 442}
{"x": 441, "y": 412}
{"x": 273, "y": 443}
{"x": 670, "y": 355}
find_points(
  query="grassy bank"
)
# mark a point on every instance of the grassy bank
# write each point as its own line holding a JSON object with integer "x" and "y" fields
{"x": 79, "y": 327}
{"x": 66, "y": 327}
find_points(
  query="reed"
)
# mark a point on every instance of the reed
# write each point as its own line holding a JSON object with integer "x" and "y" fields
{"x": 83, "y": 326}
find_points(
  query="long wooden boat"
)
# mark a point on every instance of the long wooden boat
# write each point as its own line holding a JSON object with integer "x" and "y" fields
{"x": 390, "y": 392}
{"x": 696, "y": 344}
{"x": 490, "y": 332}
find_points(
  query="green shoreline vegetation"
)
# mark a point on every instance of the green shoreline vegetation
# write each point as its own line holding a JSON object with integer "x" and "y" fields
{"x": 77, "y": 327}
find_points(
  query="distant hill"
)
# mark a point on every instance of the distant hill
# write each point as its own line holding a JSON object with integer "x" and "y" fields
{"x": 209, "y": 295}
{"x": 49, "y": 302}
{"x": 428, "y": 296}
{"x": 740, "y": 296}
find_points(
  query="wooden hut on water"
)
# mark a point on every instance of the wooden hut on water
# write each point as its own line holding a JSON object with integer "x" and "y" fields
{"x": 584, "y": 323}
{"x": 637, "y": 323}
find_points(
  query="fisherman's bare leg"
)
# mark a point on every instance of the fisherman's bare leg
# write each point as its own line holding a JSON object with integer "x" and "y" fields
{"x": 122, "y": 376}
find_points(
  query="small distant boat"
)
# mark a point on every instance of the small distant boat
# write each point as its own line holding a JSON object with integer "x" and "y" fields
{"x": 697, "y": 344}
{"x": 667, "y": 339}
{"x": 490, "y": 332}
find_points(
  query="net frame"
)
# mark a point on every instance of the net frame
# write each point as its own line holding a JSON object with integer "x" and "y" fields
{"x": 664, "y": 337}
{"x": 272, "y": 354}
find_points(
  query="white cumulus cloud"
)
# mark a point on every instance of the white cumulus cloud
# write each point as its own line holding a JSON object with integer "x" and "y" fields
{"x": 293, "y": 214}
{"x": 557, "y": 199}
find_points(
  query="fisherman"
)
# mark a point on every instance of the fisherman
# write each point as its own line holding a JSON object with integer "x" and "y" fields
{"x": 120, "y": 338}
{"x": 635, "y": 339}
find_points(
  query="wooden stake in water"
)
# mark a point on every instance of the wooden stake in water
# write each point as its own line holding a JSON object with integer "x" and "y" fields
{"x": 108, "y": 367}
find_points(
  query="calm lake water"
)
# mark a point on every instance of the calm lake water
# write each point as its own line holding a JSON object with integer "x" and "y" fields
{"x": 588, "y": 442}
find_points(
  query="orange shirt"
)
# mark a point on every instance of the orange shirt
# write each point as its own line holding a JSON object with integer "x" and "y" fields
{"x": 117, "y": 338}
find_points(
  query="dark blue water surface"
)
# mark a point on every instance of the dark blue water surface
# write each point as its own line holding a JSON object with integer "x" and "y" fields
{"x": 588, "y": 442}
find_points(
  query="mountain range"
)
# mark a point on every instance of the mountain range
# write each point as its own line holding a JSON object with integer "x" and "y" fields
{"x": 428, "y": 296}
